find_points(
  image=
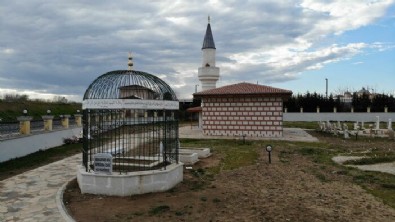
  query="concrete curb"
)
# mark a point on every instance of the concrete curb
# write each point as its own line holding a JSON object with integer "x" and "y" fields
{"x": 59, "y": 202}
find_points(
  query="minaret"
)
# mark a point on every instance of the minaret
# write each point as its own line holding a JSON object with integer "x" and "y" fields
{"x": 208, "y": 74}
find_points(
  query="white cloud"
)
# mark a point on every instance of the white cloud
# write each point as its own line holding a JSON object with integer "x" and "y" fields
{"x": 339, "y": 16}
{"x": 63, "y": 46}
{"x": 7, "y": 51}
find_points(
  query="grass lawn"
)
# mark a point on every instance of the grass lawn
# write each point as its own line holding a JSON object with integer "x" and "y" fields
{"x": 382, "y": 185}
{"x": 235, "y": 154}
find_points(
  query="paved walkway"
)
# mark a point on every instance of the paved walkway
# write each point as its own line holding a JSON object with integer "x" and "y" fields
{"x": 32, "y": 196}
{"x": 380, "y": 167}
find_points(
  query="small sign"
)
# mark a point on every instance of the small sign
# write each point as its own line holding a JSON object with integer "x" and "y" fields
{"x": 103, "y": 163}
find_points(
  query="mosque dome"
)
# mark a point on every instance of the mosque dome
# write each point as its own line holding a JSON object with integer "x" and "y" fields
{"x": 129, "y": 84}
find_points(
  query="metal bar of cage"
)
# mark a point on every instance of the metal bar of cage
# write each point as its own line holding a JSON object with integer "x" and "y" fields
{"x": 137, "y": 139}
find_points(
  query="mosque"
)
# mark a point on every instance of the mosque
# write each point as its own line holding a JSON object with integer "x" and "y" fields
{"x": 242, "y": 109}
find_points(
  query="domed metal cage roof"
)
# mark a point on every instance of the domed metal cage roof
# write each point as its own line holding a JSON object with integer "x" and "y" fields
{"x": 129, "y": 84}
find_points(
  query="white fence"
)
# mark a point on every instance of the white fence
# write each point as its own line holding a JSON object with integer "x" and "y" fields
{"x": 22, "y": 146}
{"x": 352, "y": 117}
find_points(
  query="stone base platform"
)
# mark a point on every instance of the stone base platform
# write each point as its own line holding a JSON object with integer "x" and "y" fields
{"x": 188, "y": 158}
{"x": 201, "y": 152}
{"x": 130, "y": 184}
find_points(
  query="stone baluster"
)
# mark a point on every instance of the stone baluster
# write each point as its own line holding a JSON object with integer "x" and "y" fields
{"x": 78, "y": 119}
{"x": 65, "y": 121}
{"x": 48, "y": 122}
{"x": 24, "y": 124}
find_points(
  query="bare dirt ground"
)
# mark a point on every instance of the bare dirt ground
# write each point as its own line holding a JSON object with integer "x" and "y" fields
{"x": 282, "y": 191}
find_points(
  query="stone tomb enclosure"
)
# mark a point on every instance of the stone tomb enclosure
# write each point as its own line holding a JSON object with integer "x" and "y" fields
{"x": 131, "y": 183}
{"x": 188, "y": 158}
{"x": 191, "y": 155}
{"x": 201, "y": 152}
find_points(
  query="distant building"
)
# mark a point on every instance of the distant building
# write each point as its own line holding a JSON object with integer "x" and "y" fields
{"x": 346, "y": 97}
{"x": 364, "y": 91}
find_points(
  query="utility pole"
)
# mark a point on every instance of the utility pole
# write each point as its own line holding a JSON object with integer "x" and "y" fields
{"x": 326, "y": 92}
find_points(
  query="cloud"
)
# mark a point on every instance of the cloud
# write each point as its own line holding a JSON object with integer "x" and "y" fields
{"x": 62, "y": 47}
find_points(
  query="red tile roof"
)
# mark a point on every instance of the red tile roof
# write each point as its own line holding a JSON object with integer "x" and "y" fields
{"x": 194, "y": 109}
{"x": 244, "y": 89}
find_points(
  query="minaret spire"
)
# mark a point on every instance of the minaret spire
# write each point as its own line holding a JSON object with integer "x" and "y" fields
{"x": 208, "y": 41}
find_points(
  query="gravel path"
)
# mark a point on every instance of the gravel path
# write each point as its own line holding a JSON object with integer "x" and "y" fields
{"x": 380, "y": 167}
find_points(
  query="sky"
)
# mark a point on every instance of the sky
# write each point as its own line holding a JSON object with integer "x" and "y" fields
{"x": 57, "y": 48}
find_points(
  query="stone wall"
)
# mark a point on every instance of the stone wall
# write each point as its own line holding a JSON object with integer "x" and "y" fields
{"x": 352, "y": 117}
{"x": 236, "y": 116}
{"x": 131, "y": 183}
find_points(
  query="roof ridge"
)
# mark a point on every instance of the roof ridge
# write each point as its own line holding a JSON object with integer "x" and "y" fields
{"x": 244, "y": 88}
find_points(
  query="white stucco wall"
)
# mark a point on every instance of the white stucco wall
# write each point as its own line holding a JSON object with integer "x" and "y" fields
{"x": 208, "y": 57}
{"x": 353, "y": 117}
{"x": 22, "y": 146}
{"x": 131, "y": 183}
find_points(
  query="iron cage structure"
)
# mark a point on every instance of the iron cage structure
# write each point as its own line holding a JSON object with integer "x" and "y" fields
{"x": 132, "y": 116}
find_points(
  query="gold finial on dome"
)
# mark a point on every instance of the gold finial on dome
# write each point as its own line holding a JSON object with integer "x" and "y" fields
{"x": 130, "y": 62}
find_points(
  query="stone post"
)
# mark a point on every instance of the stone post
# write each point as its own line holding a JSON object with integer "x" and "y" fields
{"x": 285, "y": 110}
{"x": 24, "y": 124}
{"x": 368, "y": 109}
{"x": 385, "y": 109}
{"x": 48, "y": 122}
{"x": 352, "y": 109}
{"x": 377, "y": 125}
{"x": 301, "y": 109}
{"x": 318, "y": 109}
{"x": 78, "y": 119}
{"x": 335, "y": 109}
{"x": 65, "y": 121}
